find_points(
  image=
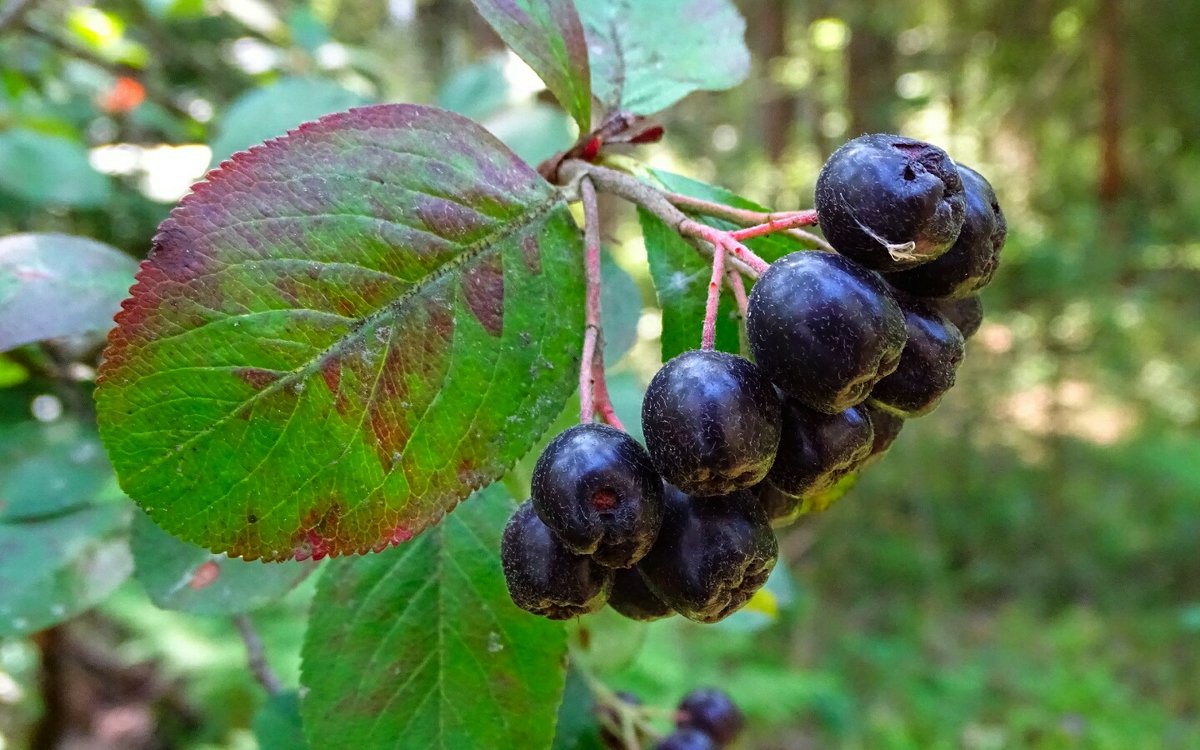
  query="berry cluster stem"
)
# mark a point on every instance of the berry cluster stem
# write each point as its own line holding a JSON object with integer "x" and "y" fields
{"x": 593, "y": 388}
{"x": 755, "y": 223}
{"x": 708, "y": 337}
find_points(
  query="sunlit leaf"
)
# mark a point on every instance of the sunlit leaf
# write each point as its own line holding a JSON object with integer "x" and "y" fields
{"x": 548, "y": 36}
{"x": 648, "y": 54}
{"x": 342, "y": 334}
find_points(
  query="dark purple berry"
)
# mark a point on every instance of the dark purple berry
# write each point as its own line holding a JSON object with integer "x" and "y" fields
{"x": 711, "y": 422}
{"x": 632, "y": 598}
{"x": 712, "y": 554}
{"x": 817, "y": 449}
{"x": 544, "y": 577}
{"x": 713, "y": 712}
{"x": 687, "y": 739}
{"x": 928, "y": 365}
{"x": 890, "y": 202}
{"x": 824, "y": 329}
{"x": 886, "y": 428}
{"x": 966, "y": 314}
{"x": 596, "y": 489}
{"x": 779, "y": 505}
{"x": 972, "y": 260}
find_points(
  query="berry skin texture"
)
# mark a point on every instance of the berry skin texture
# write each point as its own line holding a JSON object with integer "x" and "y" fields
{"x": 816, "y": 449}
{"x": 824, "y": 329}
{"x": 927, "y": 367}
{"x": 713, "y": 712}
{"x": 687, "y": 739}
{"x": 544, "y": 577}
{"x": 966, "y": 314}
{"x": 890, "y": 202}
{"x": 972, "y": 260}
{"x": 631, "y": 598}
{"x": 597, "y": 490}
{"x": 712, "y": 554}
{"x": 711, "y": 422}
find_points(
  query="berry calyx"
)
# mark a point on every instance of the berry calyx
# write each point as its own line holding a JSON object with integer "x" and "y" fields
{"x": 713, "y": 712}
{"x": 712, "y": 554}
{"x": 928, "y": 365}
{"x": 973, "y": 258}
{"x": 817, "y": 449}
{"x": 711, "y": 422}
{"x": 890, "y": 202}
{"x": 632, "y": 598}
{"x": 544, "y": 577}
{"x": 597, "y": 490}
{"x": 824, "y": 329}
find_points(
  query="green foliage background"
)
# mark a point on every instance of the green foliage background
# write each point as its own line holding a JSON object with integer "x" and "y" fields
{"x": 1022, "y": 571}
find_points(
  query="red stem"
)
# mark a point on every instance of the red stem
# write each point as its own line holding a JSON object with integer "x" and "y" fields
{"x": 777, "y": 223}
{"x": 591, "y": 332}
{"x": 738, "y": 285}
{"x": 708, "y": 338}
{"x": 725, "y": 240}
{"x": 593, "y": 388}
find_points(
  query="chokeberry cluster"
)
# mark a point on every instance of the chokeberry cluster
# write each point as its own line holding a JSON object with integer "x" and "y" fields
{"x": 846, "y": 346}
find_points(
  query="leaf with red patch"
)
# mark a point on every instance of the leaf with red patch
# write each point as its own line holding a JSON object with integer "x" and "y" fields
{"x": 341, "y": 334}
{"x": 548, "y": 35}
{"x": 421, "y": 646}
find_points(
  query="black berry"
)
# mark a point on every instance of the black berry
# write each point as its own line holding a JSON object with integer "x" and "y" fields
{"x": 687, "y": 739}
{"x": 596, "y": 489}
{"x": 929, "y": 363}
{"x": 711, "y": 422}
{"x": 890, "y": 202}
{"x": 886, "y": 428}
{"x": 966, "y": 314}
{"x": 817, "y": 449}
{"x": 713, "y": 712}
{"x": 972, "y": 260}
{"x": 632, "y": 598}
{"x": 712, "y": 554}
{"x": 543, "y": 576}
{"x": 824, "y": 329}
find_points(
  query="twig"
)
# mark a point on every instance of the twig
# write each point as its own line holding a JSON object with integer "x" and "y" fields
{"x": 650, "y": 199}
{"x": 255, "y": 656}
{"x": 778, "y": 223}
{"x": 810, "y": 239}
{"x": 593, "y": 383}
{"x": 738, "y": 286}
{"x": 12, "y": 13}
{"x": 591, "y": 331}
{"x": 748, "y": 218}
{"x": 709, "y": 336}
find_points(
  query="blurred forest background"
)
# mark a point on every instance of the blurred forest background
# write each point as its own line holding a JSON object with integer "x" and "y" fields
{"x": 1022, "y": 571}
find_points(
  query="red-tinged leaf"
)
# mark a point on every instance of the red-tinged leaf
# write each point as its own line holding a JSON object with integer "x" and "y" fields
{"x": 421, "y": 647}
{"x": 548, "y": 35}
{"x": 341, "y": 334}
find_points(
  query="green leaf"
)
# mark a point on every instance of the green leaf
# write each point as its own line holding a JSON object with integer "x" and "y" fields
{"x": 42, "y": 168}
{"x": 681, "y": 275}
{"x": 578, "y": 727}
{"x": 341, "y": 335}
{"x": 478, "y": 90}
{"x": 273, "y": 110}
{"x": 277, "y": 725}
{"x": 648, "y": 54}
{"x": 57, "y": 285}
{"x": 533, "y": 132}
{"x": 62, "y": 525}
{"x": 182, "y": 576}
{"x": 420, "y": 646}
{"x": 621, "y": 308}
{"x": 548, "y": 36}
